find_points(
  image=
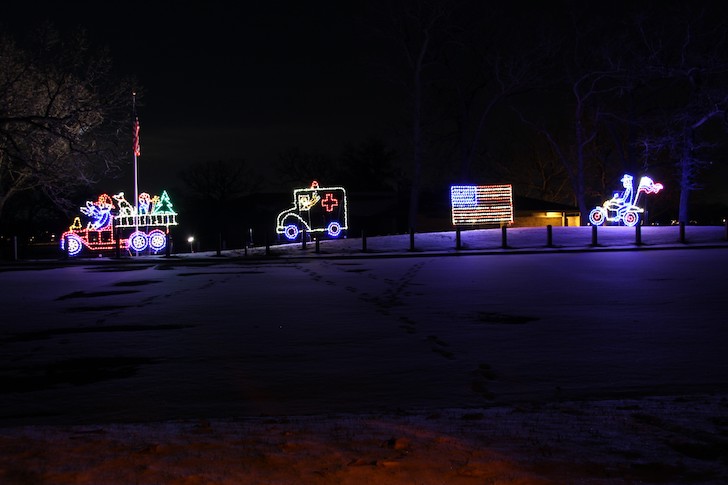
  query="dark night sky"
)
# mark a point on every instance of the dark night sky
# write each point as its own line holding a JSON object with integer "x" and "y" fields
{"x": 231, "y": 82}
{"x": 239, "y": 81}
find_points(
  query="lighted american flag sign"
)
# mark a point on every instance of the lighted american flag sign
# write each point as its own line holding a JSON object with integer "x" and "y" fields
{"x": 481, "y": 204}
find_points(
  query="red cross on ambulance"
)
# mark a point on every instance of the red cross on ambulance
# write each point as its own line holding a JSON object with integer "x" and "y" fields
{"x": 329, "y": 202}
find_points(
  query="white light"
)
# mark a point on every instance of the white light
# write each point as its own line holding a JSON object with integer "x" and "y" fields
{"x": 481, "y": 204}
{"x": 320, "y": 210}
{"x": 109, "y": 213}
{"x": 623, "y": 207}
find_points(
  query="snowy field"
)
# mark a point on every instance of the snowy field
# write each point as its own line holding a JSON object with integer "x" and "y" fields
{"x": 529, "y": 363}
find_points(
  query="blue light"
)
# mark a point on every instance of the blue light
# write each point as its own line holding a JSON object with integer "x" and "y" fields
{"x": 157, "y": 240}
{"x": 463, "y": 196}
{"x": 138, "y": 241}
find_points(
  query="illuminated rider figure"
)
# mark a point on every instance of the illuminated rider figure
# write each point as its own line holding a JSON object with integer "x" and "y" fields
{"x": 622, "y": 203}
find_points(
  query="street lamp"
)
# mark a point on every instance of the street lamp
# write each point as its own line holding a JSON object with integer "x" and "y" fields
{"x": 191, "y": 240}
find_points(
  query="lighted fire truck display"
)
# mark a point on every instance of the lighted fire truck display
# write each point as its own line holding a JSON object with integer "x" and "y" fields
{"x": 114, "y": 223}
{"x": 317, "y": 211}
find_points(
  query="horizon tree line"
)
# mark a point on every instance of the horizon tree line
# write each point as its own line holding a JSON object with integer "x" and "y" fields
{"x": 559, "y": 102}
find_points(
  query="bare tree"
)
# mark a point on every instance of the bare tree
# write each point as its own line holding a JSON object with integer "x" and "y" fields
{"x": 213, "y": 188}
{"x": 62, "y": 116}
{"x": 537, "y": 173}
{"x": 218, "y": 181}
{"x": 686, "y": 61}
{"x": 300, "y": 168}
{"x": 415, "y": 32}
{"x": 588, "y": 80}
{"x": 370, "y": 165}
{"x": 484, "y": 66}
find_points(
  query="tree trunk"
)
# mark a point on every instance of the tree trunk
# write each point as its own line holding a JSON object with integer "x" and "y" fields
{"x": 579, "y": 191}
{"x": 686, "y": 167}
{"x": 417, "y": 148}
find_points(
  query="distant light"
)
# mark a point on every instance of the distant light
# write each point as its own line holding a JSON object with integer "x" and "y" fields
{"x": 191, "y": 239}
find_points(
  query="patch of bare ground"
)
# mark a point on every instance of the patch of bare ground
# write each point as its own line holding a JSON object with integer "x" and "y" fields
{"x": 651, "y": 440}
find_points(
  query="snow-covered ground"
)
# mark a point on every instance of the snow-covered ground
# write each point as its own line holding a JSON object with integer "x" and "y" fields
{"x": 517, "y": 239}
{"x": 569, "y": 363}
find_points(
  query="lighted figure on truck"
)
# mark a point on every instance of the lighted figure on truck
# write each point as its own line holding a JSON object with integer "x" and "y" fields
{"x": 623, "y": 207}
{"x": 316, "y": 210}
{"x": 481, "y": 204}
{"x": 147, "y": 228}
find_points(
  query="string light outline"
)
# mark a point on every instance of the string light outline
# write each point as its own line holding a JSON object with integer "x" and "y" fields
{"x": 481, "y": 204}
{"x": 623, "y": 207}
{"x": 98, "y": 235}
{"x": 292, "y": 221}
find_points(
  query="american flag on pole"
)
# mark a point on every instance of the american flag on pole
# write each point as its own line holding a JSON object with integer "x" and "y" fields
{"x": 137, "y": 146}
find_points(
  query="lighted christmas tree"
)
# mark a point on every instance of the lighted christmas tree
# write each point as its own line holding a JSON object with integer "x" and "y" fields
{"x": 164, "y": 206}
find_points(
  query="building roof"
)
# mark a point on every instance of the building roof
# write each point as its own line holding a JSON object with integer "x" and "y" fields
{"x": 529, "y": 204}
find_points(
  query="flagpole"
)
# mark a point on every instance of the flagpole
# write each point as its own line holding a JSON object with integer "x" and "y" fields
{"x": 136, "y": 172}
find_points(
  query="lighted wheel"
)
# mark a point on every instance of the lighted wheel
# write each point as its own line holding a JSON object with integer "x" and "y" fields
{"x": 157, "y": 240}
{"x": 334, "y": 229}
{"x": 597, "y": 216}
{"x": 631, "y": 219}
{"x": 138, "y": 241}
{"x": 291, "y": 232}
{"x": 74, "y": 244}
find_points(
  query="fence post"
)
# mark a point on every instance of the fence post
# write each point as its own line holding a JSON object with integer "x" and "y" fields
{"x": 363, "y": 241}
{"x": 303, "y": 238}
{"x": 412, "y": 239}
{"x": 682, "y": 232}
{"x": 66, "y": 254}
{"x": 316, "y": 239}
{"x": 549, "y": 236}
{"x": 117, "y": 243}
{"x": 504, "y": 237}
{"x": 725, "y": 223}
{"x": 15, "y": 248}
{"x": 168, "y": 246}
{"x": 638, "y": 235}
{"x": 458, "y": 241}
{"x": 594, "y": 236}
{"x": 267, "y": 244}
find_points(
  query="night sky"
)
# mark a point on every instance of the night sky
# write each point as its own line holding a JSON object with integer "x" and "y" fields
{"x": 249, "y": 80}
{"x": 234, "y": 82}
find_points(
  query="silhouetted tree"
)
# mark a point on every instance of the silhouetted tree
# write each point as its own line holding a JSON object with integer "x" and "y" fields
{"x": 482, "y": 68}
{"x": 212, "y": 188}
{"x": 415, "y": 32}
{"x": 586, "y": 80}
{"x": 298, "y": 168}
{"x": 685, "y": 59}
{"x": 62, "y": 116}
{"x": 369, "y": 166}
{"x": 218, "y": 181}
{"x": 537, "y": 173}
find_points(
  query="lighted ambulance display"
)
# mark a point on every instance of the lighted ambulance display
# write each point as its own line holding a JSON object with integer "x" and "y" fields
{"x": 317, "y": 211}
